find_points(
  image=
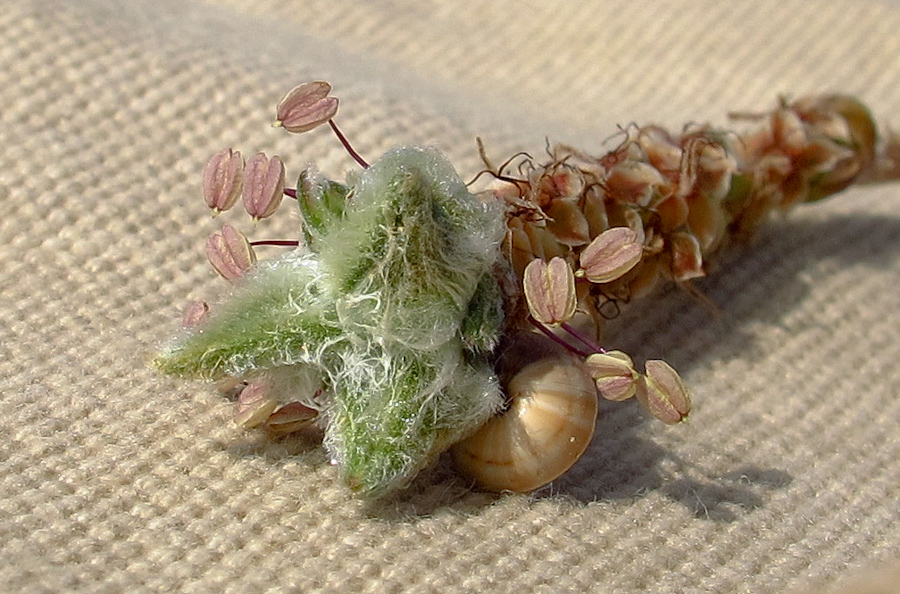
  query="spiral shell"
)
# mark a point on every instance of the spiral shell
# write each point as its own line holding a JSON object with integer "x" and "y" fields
{"x": 545, "y": 429}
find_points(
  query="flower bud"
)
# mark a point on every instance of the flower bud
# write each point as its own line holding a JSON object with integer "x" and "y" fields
{"x": 550, "y": 290}
{"x": 255, "y": 404}
{"x": 612, "y": 254}
{"x": 230, "y": 253}
{"x": 306, "y": 107}
{"x": 290, "y": 417}
{"x": 662, "y": 392}
{"x": 263, "y": 185}
{"x": 614, "y": 374}
{"x": 195, "y": 314}
{"x": 223, "y": 179}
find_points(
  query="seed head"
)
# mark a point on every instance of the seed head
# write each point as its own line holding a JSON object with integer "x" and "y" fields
{"x": 306, "y": 107}
{"x": 230, "y": 253}
{"x": 263, "y": 186}
{"x": 223, "y": 180}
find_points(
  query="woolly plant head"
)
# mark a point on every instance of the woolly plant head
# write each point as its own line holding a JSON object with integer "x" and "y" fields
{"x": 413, "y": 236}
{"x": 393, "y": 305}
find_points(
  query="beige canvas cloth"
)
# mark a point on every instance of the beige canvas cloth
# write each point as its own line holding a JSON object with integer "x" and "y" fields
{"x": 115, "y": 479}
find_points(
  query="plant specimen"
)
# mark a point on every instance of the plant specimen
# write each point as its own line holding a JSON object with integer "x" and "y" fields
{"x": 412, "y": 316}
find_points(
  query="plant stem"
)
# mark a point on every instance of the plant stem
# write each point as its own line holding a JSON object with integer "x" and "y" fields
{"x": 347, "y": 146}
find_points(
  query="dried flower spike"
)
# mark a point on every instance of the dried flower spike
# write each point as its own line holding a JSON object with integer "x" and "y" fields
{"x": 223, "y": 179}
{"x": 230, "y": 253}
{"x": 305, "y": 107}
{"x": 263, "y": 185}
{"x": 550, "y": 291}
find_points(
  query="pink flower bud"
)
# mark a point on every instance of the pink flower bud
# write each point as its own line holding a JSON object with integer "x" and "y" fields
{"x": 195, "y": 314}
{"x": 662, "y": 392}
{"x": 306, "y": 107}
{"x": 263, "y": 185}
{"x": 550, "y": 290}
{"x": 291, "y": 417}
{"x": 611, "y": 254}
{"x": 255, "y": 404}
{"x": 230, "y": 253}
{"x": 223, "y": 179}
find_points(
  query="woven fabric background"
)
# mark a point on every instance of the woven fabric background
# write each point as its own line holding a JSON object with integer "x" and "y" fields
{"x": 114, "y": 479}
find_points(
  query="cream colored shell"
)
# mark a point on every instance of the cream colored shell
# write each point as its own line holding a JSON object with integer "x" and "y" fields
{"x": 545, "y": 429}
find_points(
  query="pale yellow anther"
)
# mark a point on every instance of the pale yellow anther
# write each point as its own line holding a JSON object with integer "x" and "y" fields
{"x": 611, "y": 255}
{"x": 614, "y": 374}
{"x": 550, "y": 291}
{"x": 662, "y": 392}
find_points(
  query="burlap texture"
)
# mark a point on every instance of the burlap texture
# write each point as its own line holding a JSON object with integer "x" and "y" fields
{"x": 115, "y": 479}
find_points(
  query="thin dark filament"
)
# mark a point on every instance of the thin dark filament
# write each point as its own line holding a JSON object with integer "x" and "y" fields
{"x": 280, "y": 242}
{"x": 552, "y": 336}
{"x": 347, "y": 146}
{"x": 582, "y": 338}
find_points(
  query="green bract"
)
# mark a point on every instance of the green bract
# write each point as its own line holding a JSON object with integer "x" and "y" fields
{"x": 393, "y": 303}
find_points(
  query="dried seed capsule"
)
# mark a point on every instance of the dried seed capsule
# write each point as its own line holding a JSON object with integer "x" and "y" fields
{"x": 230, "y": 253}
{"x": 567, "y": 223}
{"x": 550, "y": 291}
{"x": 633, "y": 181}
{"x": 305, "y": 107}
{"x": 687, "y": 261}
{"x": 263, "y": 185}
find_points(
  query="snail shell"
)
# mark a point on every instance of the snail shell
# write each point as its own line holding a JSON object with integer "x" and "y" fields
{"x": 546, "y": 427}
